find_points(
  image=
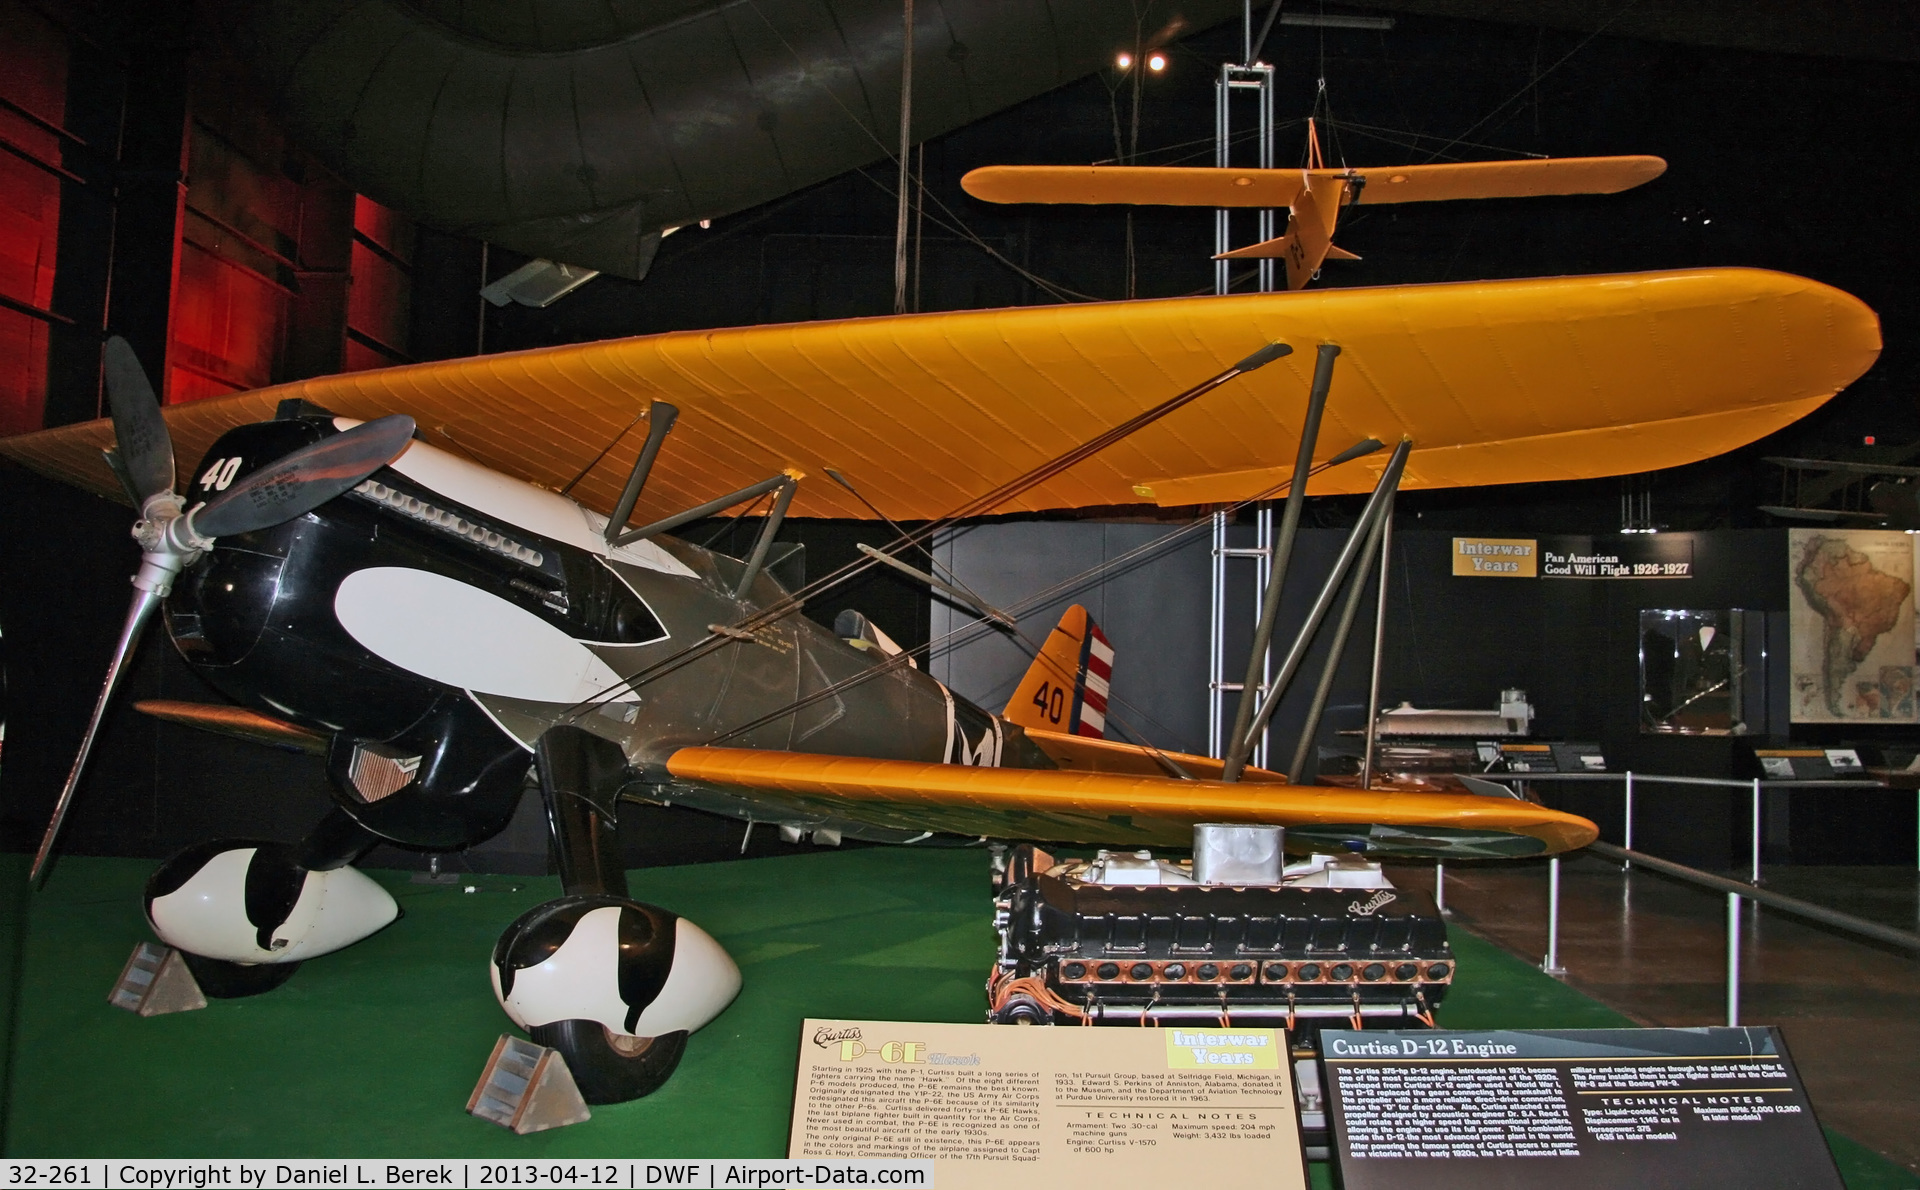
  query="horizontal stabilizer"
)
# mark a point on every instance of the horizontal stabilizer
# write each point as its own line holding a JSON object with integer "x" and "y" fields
{"x": 237, "y": 723}
{"x": 1274, "y": 249}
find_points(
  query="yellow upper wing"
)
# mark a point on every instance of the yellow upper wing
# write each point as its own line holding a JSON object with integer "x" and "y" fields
{"x": 1495, "y": 381}
{"x": 1182, "y": 186}
{"x": 1089, "y": 807}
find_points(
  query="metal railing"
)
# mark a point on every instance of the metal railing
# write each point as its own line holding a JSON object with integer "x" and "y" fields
{"x": 1736, "y": 891}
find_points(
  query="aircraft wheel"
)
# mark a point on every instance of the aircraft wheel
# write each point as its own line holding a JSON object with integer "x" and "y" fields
{"x": 609, "y": 1067}
{"x": 221, "y": 980}
{"x": 1022, "y": 1009}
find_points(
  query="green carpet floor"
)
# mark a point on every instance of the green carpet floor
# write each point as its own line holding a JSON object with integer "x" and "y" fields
{"x": 372, "y": 1052}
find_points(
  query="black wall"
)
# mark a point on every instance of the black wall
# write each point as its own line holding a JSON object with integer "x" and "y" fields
{"x": 1573, "y": 646}
{"x": 1776, "y": 160}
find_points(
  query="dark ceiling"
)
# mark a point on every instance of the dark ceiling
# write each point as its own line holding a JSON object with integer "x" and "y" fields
{"x": 1776, "y": 160}
{"x": 1885, "y": 30}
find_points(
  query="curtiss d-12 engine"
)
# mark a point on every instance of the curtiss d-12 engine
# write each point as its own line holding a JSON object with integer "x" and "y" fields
{"x": 1235, "y": 935}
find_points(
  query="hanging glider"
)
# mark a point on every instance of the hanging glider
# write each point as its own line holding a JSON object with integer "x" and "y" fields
{"x": 1313, "y": 195}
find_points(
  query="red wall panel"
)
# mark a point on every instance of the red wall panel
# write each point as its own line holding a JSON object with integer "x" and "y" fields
{"x": 33, "y": 75}
{"x": 227, "y": 326}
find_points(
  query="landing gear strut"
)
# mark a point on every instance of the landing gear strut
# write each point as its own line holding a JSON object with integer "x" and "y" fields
{"x": 614, "y": 985}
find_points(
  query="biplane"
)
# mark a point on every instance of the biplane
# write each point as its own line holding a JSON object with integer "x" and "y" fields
{"x": 381, "y": 566}
{"x": 1857, "y": 491}
{"x": 1313, "y": 194}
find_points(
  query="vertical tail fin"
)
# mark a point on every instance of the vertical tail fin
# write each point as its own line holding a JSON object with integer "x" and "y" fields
{"x": 1066, "y": 687}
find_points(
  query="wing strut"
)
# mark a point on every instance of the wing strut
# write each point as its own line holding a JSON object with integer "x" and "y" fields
{"x": 1356, "y": 592}
{"x": 786, "y": 479}
{"x": 1282, "y": 553}
{"x": 769, "y": 527}
{"x": 660, "y": 419}
{"x": 1377, "y": 506}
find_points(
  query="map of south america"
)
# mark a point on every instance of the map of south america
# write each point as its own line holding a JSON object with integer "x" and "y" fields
{"x": 1857, "y": 604}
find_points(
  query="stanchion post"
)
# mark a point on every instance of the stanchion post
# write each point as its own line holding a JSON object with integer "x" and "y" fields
{"x": 1551, "y": 964}
{"x": 1440, "y": 887}
{"x": 1627, "y": 864}
{"x": 1733, "y": 959}
{"x": 1755, "y": 877}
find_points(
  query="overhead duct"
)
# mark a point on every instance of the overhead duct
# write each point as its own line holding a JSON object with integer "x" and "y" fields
{"x": 577, "y": 130}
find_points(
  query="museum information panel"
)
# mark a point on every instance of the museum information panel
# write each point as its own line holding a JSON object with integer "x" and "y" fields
{"x": 986, "y": 1102}
{"x": 1571, "y": 1109}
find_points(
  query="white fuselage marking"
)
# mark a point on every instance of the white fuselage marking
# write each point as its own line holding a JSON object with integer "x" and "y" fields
{"x": 461, "y": 636}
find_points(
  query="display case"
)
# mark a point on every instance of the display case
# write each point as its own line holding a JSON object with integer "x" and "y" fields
{"x": 1702, "y": 672}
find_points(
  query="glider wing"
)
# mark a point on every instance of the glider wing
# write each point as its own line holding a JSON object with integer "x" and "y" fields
{"x": 1186, "y": 186}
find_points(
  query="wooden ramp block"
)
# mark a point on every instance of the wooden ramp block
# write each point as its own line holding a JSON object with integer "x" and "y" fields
{"x": 527, "y": 1088}
{"x": 155, "y": 981}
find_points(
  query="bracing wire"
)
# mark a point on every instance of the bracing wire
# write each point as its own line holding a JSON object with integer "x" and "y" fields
{"x": 979, "y": 506}
{"x": 973, "y": 629}
{"x": 1535, "y": 81}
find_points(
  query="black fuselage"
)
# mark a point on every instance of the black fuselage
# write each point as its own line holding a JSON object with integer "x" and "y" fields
{"x": 421, "y": 625}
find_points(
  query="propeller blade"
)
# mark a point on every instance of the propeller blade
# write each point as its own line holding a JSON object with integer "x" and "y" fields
{"x": 304, "y": 480}
{"x": 144, "y": 603}
{"x": 146, "y": 449}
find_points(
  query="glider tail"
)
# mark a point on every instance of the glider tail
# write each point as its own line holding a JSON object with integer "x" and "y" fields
{"x": 1309, "y": 238}
{"x": 1065, "y": 689}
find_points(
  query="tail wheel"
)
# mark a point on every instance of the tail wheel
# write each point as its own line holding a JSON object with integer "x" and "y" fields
{"x": 1021, "y": 1009}
{"x": 611, "y": 1067}
{"x": 231, "y": 981}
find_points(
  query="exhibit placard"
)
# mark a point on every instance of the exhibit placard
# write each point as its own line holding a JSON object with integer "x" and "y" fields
{"x": 1181, "y": 1103}
{"x": 1496, "y": 557}
{"x": 1630, "y": 556}
{"x": 1574, "y": 1108}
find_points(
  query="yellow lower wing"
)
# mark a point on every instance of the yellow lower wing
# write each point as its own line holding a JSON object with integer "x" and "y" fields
{"x": 1495, "y": 382}
{"x": 1105, "y": 808}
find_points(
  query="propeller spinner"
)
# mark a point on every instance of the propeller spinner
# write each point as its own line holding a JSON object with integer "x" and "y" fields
{"x": 172, "y": 537}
